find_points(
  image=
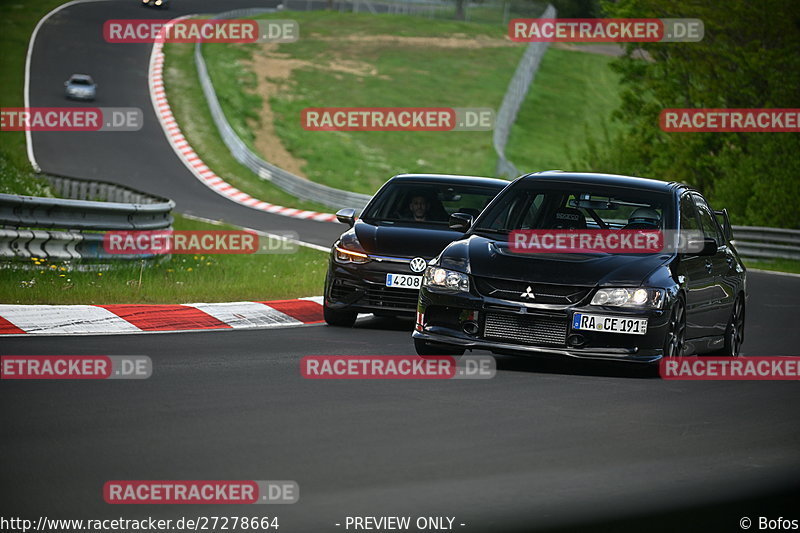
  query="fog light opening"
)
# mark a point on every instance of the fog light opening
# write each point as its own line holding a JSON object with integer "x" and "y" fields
{"x": 470, "y": 328}
{"x": 576, "y": 340}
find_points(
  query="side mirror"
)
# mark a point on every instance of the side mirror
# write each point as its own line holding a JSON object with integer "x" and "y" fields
{"x": 346, "y": 216}
{"x": 66, "y": 83}
{"x": 704, "y": 247}
{"x": 460, "y": 222}
{"x": 709, "y": 247}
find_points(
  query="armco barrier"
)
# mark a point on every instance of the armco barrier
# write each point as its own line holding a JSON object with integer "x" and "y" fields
{"x": 63, "y": 229}
{"x": 512, "y": 101}
{"x": 767, "y": 243}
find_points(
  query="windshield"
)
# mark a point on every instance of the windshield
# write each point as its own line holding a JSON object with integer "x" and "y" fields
{"x": 576, "y": 207}
{"x": 80, "y": 81}
{"x": 426, "y": 203}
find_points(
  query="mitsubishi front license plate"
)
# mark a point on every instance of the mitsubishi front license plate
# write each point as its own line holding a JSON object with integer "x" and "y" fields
{"x": 403, "y": 281}
{"x": 609, "y": 324}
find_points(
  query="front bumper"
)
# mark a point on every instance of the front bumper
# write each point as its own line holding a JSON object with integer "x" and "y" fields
{"x": 461, "y": 320}
{"x": 84, "y": 96}
{"x": 362, "y": 288}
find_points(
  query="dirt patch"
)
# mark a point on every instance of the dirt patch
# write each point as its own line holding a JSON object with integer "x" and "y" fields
{"x": 272, "y": 73}
{"x": 480, "y": 41}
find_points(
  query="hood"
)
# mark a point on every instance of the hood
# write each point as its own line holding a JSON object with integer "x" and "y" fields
{"x": 404, "y": 240}
{"x": 491, "y": 258}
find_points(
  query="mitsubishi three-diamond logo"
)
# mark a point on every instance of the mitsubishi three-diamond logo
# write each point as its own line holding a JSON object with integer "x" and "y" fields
{"x": 528, "y": 293}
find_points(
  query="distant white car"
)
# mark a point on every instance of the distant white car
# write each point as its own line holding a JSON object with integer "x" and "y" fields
{"x": 80, "y": 87}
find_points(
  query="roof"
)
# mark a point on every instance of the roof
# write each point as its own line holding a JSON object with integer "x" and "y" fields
{"x": 611, "y": 180}
{"x": 452, "y": 179}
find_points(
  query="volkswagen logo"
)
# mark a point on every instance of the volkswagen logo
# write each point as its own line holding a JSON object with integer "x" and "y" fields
{"x": 528, "y": 294}
{"x": 418, "y": 264}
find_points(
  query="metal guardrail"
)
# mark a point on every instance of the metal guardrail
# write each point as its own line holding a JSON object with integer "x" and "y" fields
{"x": 294, "y": 185}
{"x": 767, "y": 243}
{"x": 26, "y": 221}
{"x": 512, "y": 101}
{"x": 81, "y": 189}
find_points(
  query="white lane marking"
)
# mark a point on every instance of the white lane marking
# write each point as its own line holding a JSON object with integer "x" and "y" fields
{"x": 265, "y": 233}
{"x": 243, "y": 315}
{"x": 65, "y": 319}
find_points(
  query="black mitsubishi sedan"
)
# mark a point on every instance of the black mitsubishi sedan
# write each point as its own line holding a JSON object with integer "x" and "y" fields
{"x": 376, "y": 266}
{"x": 480, "y": 293}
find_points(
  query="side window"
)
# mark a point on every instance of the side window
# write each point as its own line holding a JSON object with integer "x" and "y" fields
{"x": 689, "y": 214}
{"x": 707, "y": 222}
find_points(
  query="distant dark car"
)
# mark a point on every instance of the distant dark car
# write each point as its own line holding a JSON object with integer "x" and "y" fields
{"x": 80, "y": 87}
{"x": 376, "y": 266}
{"x": 164, "y": 4}
{"x": 637, "y": 307}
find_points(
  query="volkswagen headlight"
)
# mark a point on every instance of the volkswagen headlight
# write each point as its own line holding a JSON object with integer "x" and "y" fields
{"x": 624, "y": 297}
{"x": 343, "y": 255}
{"x": 442, "y": 278}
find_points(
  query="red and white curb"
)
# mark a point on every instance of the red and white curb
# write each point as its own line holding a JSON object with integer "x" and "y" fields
{"x": 124, "y": 318}
{"x": 193, "y": 161}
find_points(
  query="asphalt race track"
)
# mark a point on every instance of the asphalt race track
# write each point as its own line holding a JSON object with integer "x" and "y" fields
{"x": 546, "y": 444}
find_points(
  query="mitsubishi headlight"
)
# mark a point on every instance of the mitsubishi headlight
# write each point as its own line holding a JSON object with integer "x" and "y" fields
{"x": 622, "y": 297}
{"x": 442, "y": 278}
{"x": 343, "y": 255}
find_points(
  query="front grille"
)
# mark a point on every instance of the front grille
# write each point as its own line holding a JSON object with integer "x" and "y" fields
{"x": 543, "y": 293}
{"x": 390, "y": 298}
{"x": 526, "y": 329}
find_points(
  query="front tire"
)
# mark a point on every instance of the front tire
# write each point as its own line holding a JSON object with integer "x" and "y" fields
{"x": 339, "y": 318}
{"x": 675, "y": 339}
{"x": 423, "y": 348}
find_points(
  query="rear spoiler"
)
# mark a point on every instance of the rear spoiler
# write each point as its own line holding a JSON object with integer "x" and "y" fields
{"x": 725, "y": 222}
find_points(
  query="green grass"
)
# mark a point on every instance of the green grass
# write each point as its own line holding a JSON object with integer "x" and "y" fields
{"x": 778, "y": 265}
{"x": 569, "y": 104}
{"x": 190, "y": 109}
{"x": 181, "y": 279}
{"x": 406, "y": 76}
{"x": 16, "y": 25}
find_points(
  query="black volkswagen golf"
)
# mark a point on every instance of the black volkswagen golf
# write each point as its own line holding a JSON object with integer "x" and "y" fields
{"x": 376, "y": 266}
{"x": 480, "y": 293}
